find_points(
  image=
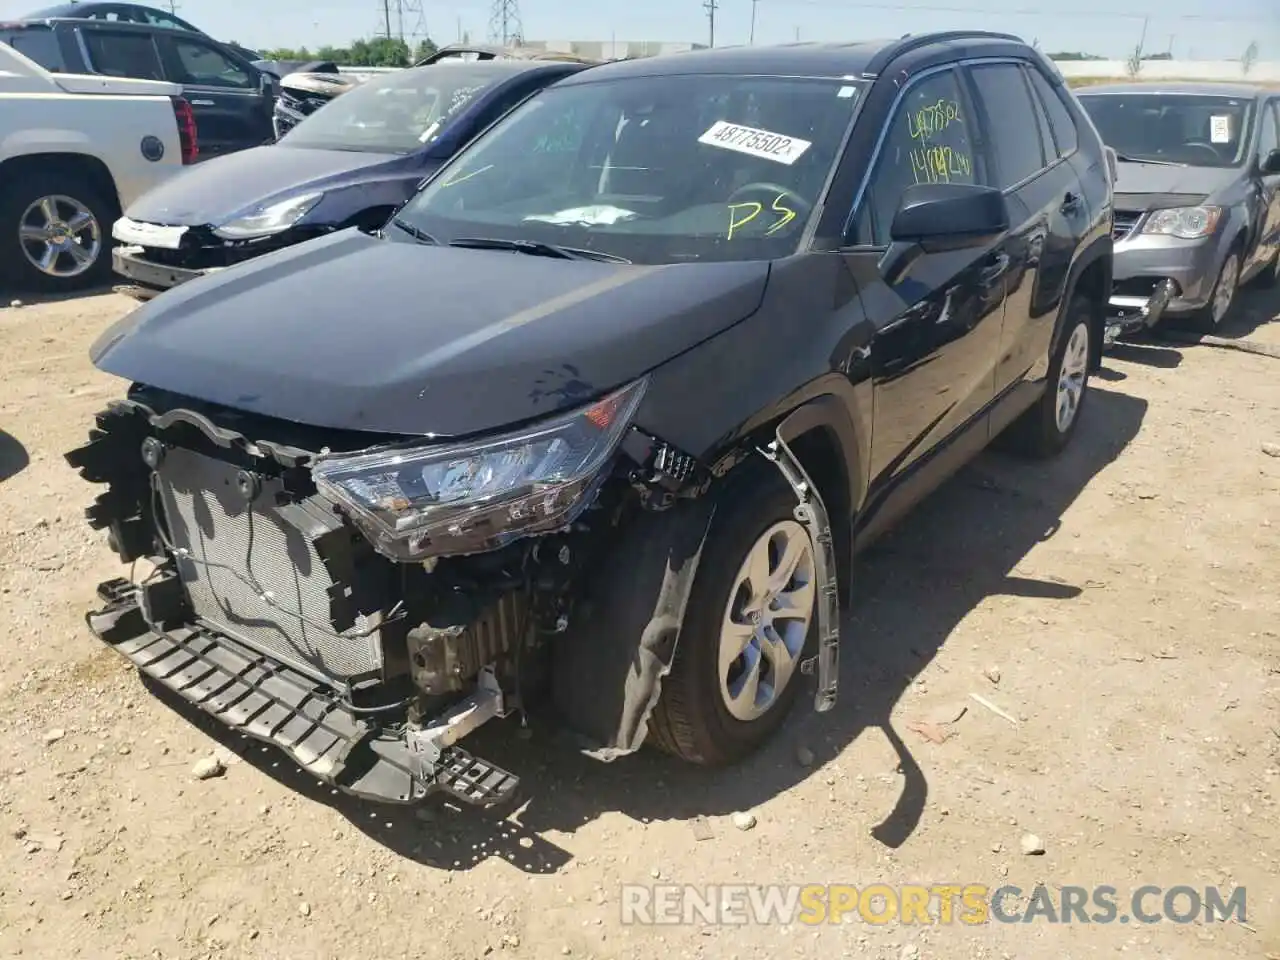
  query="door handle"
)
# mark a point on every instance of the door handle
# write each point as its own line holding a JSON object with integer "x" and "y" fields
{"x": 1071, "y": 203}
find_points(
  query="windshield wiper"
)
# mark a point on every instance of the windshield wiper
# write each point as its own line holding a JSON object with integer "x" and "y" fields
{"x": 536, "y": 248}
{"x": 418, "y": 234}
{"x": 1125, "y": 158}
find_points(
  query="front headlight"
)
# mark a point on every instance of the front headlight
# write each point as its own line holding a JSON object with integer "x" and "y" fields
{"x": 423, "y": 501}
{"x": 1185, "y": 223}
{"x": 263, "y": 221}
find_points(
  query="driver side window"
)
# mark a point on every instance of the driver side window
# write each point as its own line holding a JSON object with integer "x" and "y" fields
{"x": 928, "y": 141}
{"x": 1269, "y": 135}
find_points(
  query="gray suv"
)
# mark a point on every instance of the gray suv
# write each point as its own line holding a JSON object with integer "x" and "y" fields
{"x": 1197, "y": 198}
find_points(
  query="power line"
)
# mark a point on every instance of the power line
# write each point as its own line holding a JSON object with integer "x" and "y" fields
{"x": 504, "y": 23}
{"x": 1024, "y": 12}
{"x": 410, "y": 19}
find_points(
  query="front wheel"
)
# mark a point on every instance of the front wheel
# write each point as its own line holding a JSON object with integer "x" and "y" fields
{"x": 749, "y": 623}
{"x": 1046, "y": 427}
{"x": 1211, "y": 316}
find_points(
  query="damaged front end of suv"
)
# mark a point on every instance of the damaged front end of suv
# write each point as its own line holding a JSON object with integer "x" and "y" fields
{"x": 364, "y": 609}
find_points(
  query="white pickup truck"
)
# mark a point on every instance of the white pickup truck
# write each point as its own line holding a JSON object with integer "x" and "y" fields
{"x": 74, "y": 152}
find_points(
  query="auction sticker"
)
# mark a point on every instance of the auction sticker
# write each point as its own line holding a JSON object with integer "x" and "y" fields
{"x": 757, "y": 143}
{"x": 1220, "y": 129}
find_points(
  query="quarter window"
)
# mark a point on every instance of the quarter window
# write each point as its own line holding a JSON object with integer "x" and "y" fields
{"x": 928, "y": 141}
{"x": 1015, "y": 146}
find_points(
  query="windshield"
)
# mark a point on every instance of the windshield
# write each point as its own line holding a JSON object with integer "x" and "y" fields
{"x": 652, "y": 169}
{"x": 396, "y": 112}
{"x": 1188, "y": 129}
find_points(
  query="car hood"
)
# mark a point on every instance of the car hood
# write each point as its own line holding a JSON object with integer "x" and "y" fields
{"x": 353, "y": 332}
{"x": 213, "y": 191}
{"x": 1143, "y": 186}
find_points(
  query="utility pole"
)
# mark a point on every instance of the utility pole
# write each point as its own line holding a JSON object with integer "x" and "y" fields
{"x": 711, "y": 6}
{"x": 504, "y": 22}
{"x": 752, "y": 41}
{"x": 386, "y": 18}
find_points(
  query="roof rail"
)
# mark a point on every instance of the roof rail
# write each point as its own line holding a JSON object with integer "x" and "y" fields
{"x": 914, "y": 41}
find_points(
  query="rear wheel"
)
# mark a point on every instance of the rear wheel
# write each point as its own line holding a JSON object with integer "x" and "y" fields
{"x": 55, "y": 233}
{"x": 1047, "y": 426}
{"x": 748, "y": 624}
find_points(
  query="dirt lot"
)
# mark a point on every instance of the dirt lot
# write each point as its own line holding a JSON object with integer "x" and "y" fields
{"x": 1127, "y": 597}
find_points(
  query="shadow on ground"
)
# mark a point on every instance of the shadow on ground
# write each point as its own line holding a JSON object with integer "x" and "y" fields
{"x": 30, "y": 298}
{"x": 13, "y": 456}
{"x": 957, "y": 548}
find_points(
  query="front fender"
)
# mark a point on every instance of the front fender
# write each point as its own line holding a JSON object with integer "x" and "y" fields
{"x": 607, "y": 667}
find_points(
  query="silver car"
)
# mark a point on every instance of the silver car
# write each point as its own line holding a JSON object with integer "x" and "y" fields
{"x": 1197, "y": 197}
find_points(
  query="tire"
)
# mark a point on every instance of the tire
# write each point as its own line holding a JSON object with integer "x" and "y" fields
{"x": 71, "y": 198}
{"x": 1040, "y": 432}
{"x": 1210, "y": 317}
{"x": 693, "y": 719}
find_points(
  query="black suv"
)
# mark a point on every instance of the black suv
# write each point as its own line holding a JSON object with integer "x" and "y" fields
{"x": 231, "y": 98}
{"x": 606, "y": 410}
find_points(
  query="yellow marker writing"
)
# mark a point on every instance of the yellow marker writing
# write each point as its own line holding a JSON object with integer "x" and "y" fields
{"x": 787, "y": 215}
{"x": 737, "y": 222}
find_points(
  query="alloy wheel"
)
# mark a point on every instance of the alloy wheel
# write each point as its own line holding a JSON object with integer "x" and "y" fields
{"x": 1224, "y": 293}
{"x": 766, "y": 620}
{"x": 1071, "y": 377}
{"x": 60, "y": 236}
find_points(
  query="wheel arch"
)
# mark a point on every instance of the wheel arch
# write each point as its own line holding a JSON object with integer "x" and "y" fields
{"x": 86, "y": 165}
{"x": 1091, "y": 275}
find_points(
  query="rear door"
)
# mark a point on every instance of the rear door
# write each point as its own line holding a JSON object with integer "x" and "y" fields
{"x": 1268, "y": 245}
{"x": 937, "y": 330}
{"x": 1048, "y": 215}
{"x": 227, "y": 95}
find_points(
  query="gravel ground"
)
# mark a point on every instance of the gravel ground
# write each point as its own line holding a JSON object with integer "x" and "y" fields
{"x": 1120, "y": 605}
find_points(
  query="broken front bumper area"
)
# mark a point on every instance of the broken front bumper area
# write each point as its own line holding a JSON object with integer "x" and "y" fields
{"x": 1127, "y": 315}
{"x": 269, "y": 701}
{"x": 147, "y": 279}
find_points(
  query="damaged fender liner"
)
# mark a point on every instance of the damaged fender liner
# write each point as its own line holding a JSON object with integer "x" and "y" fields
{"x": 270, "y": 702}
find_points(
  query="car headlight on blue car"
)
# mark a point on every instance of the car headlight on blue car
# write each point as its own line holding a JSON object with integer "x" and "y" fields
{"x": 415, "y": 502}
{"x": 267, "y": 219}
{"x": 1185, "y": 223}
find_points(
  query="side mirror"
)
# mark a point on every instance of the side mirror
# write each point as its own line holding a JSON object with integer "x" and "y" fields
{"x": 937, "y": 217}
{"x": 1271, "y": 163}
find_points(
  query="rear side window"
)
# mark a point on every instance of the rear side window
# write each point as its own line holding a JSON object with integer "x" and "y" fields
{"x": 38, "y": 45}
{"x": 1269, "y": 136}
{"x": 115, "y": 53}
{"x": 1060, "y": 121}
{"x": 1015, "y": 143}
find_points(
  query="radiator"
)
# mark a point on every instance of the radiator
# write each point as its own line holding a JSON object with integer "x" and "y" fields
{"x": 236, "y": 557}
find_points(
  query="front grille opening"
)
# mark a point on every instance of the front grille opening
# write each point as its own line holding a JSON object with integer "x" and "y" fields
{"x": 1125, "y": 222}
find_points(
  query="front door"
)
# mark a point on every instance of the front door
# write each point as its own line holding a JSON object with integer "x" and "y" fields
{"x": 937, "y": 329}
{"x": 227, "y": 97}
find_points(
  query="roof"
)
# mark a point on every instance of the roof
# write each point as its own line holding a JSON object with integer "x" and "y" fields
{"x": 862, "y": 58}
{"x": 1203, "y": 88}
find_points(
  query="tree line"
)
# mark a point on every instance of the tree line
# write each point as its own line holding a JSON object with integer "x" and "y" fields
{"x": 374, "y": 52}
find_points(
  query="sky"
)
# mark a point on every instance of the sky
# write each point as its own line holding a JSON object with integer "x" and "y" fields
{"x": 1193, "y": 29}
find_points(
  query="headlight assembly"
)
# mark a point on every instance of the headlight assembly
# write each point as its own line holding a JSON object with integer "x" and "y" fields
{"x": 1185, "y": 223}
{"x": 263, "y": 221}
{"x": 423, "y": 501}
